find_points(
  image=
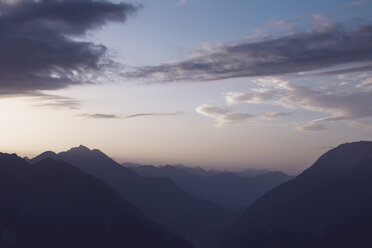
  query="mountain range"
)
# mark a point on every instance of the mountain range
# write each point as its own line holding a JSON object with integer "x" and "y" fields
{"x": 82, "y": 198}
{"x": 159, "y": 199}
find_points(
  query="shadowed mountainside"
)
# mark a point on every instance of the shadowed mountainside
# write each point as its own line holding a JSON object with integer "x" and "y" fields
{"x": 52, "y": 204}
{"x": 328, "y": 205}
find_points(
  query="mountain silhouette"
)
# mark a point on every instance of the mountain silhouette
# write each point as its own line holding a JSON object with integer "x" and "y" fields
{"x": 51, "y": 204}
{"x": 328, "y": 205}
{"x": 160, "y": 199}
{"x": 225, "y": 188}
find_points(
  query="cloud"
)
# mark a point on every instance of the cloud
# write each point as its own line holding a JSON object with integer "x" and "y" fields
{"x": 366, "y": 83}
{"x": 339, "y": 104}
{"x": 98, "y": 116}
{"x": 312, "y": 127}
{"x": 152, "y": 114}
{"x": 55, "y": 101}
{"x": 40, "y": 99}
{"x": 222, "y": 116}
{"x": 114, "y": 116}
{"x": 365, "y": 125}
{"x": 273, "y": 115}
{"x": 328, "y": 45}
{"x": 361, "y": 68}
{"x": 261, "y": 95}
{"x": 41, "y": 46}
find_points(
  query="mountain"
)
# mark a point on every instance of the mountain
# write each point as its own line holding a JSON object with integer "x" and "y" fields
{"x": 51, "y": 204}
{"x": 225, "y": 188}
{"x": 250, "y": 172}
{"x": 160, "y": 199}
{"x": 328, "y": 205}
{"x": 197, "y": 170}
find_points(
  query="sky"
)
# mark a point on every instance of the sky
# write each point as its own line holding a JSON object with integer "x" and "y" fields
{"x": 212, "y": 83}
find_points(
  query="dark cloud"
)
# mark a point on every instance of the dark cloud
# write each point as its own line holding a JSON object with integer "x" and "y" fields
{"x": 328, "y": 45}
{"x": 39, "y": 44}
{"x": 354, "y": 69}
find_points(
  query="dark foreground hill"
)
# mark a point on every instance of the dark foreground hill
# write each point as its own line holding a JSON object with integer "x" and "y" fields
{"x": 51, "y": 204}
{"x": 160, "y": 199}
{"x": 328, "y": 205}
{"x": 225, "y": 188}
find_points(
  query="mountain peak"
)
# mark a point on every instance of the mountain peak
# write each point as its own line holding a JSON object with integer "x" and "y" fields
{"x": 44, "y": 155}
{"x": 84, "y": 149}
{"x": 80, "y": 148}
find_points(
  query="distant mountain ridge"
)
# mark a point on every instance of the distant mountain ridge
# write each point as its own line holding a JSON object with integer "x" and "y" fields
{"x": 328, "y": 205}
{"x": 160, "y": 199}
{"x": 51, "y": 204}
{"x": 225, "y": 188}
{"x": 200, "y": 171}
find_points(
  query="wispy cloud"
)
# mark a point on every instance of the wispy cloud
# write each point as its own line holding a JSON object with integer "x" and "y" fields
{"x": 329, "y": 44}
{"x": 40, "y": 99}
{"x": 222, "y": 116}
{"x": 338, "y": 104}
{"x": 365, "y": 125}
{"x": 259, "y": 96}
{"x": 152, "y": 114}
{"x": 98, "y": 116}
{"x": 311, "y": 127}
{"x": 121, "y": 116}
{"x": 274, "y": 115}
